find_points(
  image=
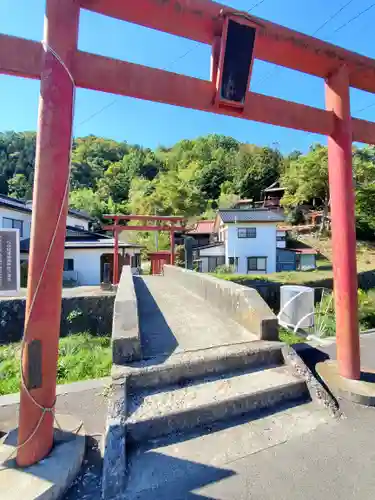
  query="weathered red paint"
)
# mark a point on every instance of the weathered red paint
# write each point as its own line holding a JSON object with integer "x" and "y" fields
{"x": 172, "y": 248}
{"x": 172, "y": 218}
{"x": 343, "y": 224}
{"x": 20, "y": 57}
{"x": 115, "y": 255}
{"x": 50, "y": 206}
{"x": 143, "y": 228}
{"x": 201, "y": 20}
{"x": 158, "y": 260}
{"x": 119, "y": 77}
{"x": 114, "y": 76}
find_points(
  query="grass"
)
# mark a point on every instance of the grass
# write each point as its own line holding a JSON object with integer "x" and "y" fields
{"x": 365, "y": 262}
{"x": 81, "y": 357}
{"x": 289, "y": 337}
{"x": 322, "y": 272}
{"x": 325, "y": 317}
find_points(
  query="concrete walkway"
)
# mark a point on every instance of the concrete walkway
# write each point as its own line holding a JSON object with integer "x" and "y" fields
{"x": 333, "y": 461}
{"x": 180, "y": 321}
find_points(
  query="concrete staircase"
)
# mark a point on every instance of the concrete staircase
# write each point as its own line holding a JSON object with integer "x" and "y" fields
{"x": 176, "y": 418}
{"x": 193, "y": 389}
{"x": 206, "y": 393}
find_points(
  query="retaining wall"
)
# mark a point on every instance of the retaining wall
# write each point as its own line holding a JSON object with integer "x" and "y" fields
{"x": 270, "y": 291}
{"x": 91, "y": 313}
{"x": 239, "y": 302}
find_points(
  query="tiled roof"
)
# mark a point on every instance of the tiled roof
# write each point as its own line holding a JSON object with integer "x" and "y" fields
{"x": 20, "y": 205}
{"x": 23, "y": 206}
{"x": 203, "y": 227}
{"x": 254, "y": 215}
{"x": 105, "y": 243}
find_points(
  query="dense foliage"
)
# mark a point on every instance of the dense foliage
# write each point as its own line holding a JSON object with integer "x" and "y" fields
{"x": 192, "y": 178}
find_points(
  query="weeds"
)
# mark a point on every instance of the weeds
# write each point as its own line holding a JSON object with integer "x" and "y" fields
{"x": 81, "y": 357}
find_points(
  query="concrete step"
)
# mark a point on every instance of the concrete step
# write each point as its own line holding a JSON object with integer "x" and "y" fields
{"x": 198, "y": 459}
{"x": 154, "y": 414}
{"x": 192, "y": 365}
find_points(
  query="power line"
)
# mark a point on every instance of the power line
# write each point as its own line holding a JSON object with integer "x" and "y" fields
{"x": 363, "y": 109}
{"x": 343, "y": 26}
{"x": 335, "y": 14}
{"x": 169, "y": 65}
{"x": 355, "y": 17}
{"x": 255, "y": 5}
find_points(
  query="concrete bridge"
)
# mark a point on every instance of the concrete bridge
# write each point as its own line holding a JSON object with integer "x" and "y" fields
{"x": 199, "y": 379}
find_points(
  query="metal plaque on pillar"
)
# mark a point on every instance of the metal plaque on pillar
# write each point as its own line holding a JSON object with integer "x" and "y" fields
{"x": 9, "y": 262}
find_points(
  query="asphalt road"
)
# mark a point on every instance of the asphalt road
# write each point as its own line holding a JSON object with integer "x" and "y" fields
{"x": 334, "y": 461}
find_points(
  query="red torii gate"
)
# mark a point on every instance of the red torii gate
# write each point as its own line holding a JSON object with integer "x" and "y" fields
{"x": 116, "y": 227}
{"x": 60, "y": 66}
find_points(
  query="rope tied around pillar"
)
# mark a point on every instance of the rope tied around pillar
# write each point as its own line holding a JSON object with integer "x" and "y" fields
{"x": 45, "y": 410}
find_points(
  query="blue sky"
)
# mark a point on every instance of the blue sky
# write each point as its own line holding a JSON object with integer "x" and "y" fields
{"x": 153, "y": 124}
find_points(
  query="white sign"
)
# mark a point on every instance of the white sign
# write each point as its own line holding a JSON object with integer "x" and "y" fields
{"x": 9, "y": 262}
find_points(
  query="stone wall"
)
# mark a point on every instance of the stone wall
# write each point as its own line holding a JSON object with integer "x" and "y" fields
{"x": 83, "y": 313}
{"x": 270, "y": 291}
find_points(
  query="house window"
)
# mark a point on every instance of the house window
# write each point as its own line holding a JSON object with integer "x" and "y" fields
{"x": 247, "y": 232}
{"x": 68, "y": 264}
{"x": 13, "y": 224}
{"x": 233, "y": 261}
{"x": 256, "y": 264}
{"x": 214, "y": 262}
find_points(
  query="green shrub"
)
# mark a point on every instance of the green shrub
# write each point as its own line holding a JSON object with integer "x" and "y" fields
{"x": 81, "y": 357}
{"x": 224, "y": 269}
{"x": 325, "y": 313}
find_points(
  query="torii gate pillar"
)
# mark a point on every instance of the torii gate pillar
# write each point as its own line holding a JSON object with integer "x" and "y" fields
{"x": 343, "y": 224}
{"x": 50, "y": 207}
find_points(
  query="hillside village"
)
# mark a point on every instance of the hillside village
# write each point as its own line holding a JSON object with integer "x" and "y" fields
{"x": 214, "y": 178}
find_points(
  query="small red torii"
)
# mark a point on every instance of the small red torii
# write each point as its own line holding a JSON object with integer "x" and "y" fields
{"x": 116, "y": 227}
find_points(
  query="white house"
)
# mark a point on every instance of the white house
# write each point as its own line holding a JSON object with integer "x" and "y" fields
{"x": 86, "y": 251}
{"x": 246, "y": 239}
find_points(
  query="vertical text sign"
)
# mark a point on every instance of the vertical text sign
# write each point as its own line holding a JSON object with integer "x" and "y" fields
{"x": 9, "y": 261}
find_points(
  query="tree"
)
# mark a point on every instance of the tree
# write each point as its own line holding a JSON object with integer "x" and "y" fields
{"x": 227, "y": 198}
{"x": 91, "y": 157}
{"x": 17, "y": 156}
{"x": 19, "y": 187}
{"x": 364, "y": 175}
{"x": 306, "y": 179}
{"x": 256, "y": 169}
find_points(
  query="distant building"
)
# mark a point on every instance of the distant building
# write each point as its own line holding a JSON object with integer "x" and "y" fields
{"x": 244, "y": 204}
{"x": 246, "y": 240}
{"x": 251, "y": 241}
{"x": 272, "y": 196}
{"x": 86, "y": 251}
{"x": 202, "y": 232}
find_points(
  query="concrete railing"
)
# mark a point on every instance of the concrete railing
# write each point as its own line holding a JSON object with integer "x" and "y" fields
{"x": 240, "y": 303}
{"x": 126, "y": 344}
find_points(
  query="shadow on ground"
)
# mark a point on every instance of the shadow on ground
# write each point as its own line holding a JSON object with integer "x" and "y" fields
{"x": 157, "y": 339}
{"x": 87, "y": 485}
{"x": 196, "y": 476}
